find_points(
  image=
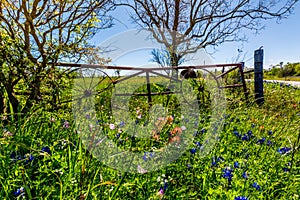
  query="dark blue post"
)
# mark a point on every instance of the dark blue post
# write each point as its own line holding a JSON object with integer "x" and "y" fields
{"x": 258, "y": 76}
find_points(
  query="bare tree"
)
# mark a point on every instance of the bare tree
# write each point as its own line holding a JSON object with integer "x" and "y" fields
{"x": 48, "y": 31}
{"x": 184, "y": 26}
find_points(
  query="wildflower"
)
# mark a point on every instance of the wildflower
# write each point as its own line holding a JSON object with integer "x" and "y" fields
{"x": 253, "y": 125}
{"x": 245, "y": 175}
{"x": 160, "y": 192}
{"x": 183, "y": 128}
{"x": 236, "y": 165}
{"x": 249, "y": 133}
{"x": 261, "y": 141}
{"x": 66, "y": 124}
{"x": 145, "y": 156}
{"x": 261, "y": 127}
{"x": 284, "y": 150}
{"x": 227, "y": 173}
{"x": 117, "y": 135}
{"x": 30, "y": 158}
{"x": 188, "y": 166}
{"x": 52, "y": 119}
{"x": 237, "y": 134}
{"x": 176, "y": 130}
{"x": 240, "y": 198}
{"x": 202, "y": 130}
{"x": 46, "y": 150}
{"x": 245, "y": 137}
{"x": 256, "y": 186}
{"x": 122, "y": 124}
{"x": 19, "y": 192}
{"x": 193, "y": 150}
{"x": 88, "y": 116}
{"x": 269, "y": 143}
{"x": 198, "y": 144}
{"x": 285, "y": 169}
{"x": 111, "y": 126}
{"x": 270, "y": 132}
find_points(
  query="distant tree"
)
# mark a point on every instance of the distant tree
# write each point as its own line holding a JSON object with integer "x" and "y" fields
{"x": 184, "y": 26}
{"x": 45, "y": 32}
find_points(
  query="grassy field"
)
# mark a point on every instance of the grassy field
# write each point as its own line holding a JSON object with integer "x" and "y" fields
{"x": 290, "y": 78}
{"x": 256, "y": 155}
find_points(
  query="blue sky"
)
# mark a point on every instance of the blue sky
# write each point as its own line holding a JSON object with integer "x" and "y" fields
{"x": 280, "y": 41}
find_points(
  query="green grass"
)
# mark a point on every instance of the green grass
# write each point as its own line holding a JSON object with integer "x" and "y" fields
{"x": 71, "y": 172}
{"x": 289, "y": 78}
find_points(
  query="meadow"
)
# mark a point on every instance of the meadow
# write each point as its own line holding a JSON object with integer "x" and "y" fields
{"x": 256, "y": 155}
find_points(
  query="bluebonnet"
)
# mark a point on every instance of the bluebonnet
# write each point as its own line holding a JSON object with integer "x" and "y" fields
{"x": 202, "y": 130}
{"x": 256, "y": 186}
{"x": 249, "y": 133}
{"x": 245, "y": 175}
{"x": 227, "y": 173}
{"x": 236, "y": 133}
{"x": 236, "y": 165}
{"x": 145, "y": 156}
{"x": 198, "y": 144}
{"x": 261, "y": 141}
{"x": 188, "y": 166}
{"x": 215, "y": 161}
{"x": 193, "y": 150}
{"x": 117, "y": 135}
{"x": 285, "y": 169}
{"x": 30, "y": 158}
{"x": 245, "y": 137}
{"x": 121, "y": 124}
{"x": 46, "y": 150}
{"x": 269, "y": 143}
{"x": 240, "y": 198}
{"x": 270, "y": 132}
{"x": 284, "y": 150}
{"x": 253, "y": 125}
{"x": 19, "y": 192}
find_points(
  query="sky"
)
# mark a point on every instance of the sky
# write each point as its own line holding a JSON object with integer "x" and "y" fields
{"x": 280, "y": 41}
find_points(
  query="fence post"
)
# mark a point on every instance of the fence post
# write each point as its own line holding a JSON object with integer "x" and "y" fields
{"x": 258, "y": 76}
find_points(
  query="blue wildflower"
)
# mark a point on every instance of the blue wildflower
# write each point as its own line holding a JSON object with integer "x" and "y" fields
{"x": 270, "y": 132}
{"x": 202, "y": 130}
{"x": 227, "y": 173}
{"x": 261, "y": 141}
{"x": 253, "y": 125}
{"x": 46, "y": 150}
{"x": 285, "y": 169}
{"x": 269, "y": 143}
{"x": 188, "y": 166}
{"x": 220, "y": 158}
{"x": 236, "y": 165}
{"x": 19, "y": 192}
{"x": 245, "y": 175}
{"x": 236, "y": 133}
{"x": 30, "y": 158}
{"x": 198, "y": 144}
{"x": 284, "y": 150}
{"x": 256, "y": 186}
{"x": 121, "y": 124}
{"x": 117, "y": 135}
{"x": 249, "y": 133}
{"x": 245, "y": 137}
{"x": 193, "y": 150}
{"x": 145, "y": 156}
{"x": 240, "y": 198}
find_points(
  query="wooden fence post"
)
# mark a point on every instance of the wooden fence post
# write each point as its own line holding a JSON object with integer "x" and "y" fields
{"x": 258, "y": 76}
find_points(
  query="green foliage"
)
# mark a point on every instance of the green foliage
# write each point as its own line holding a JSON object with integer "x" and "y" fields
{"x": 71, "y": 172}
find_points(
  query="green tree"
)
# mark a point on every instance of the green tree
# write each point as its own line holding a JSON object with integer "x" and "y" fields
{"x": 39, "y": 33}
